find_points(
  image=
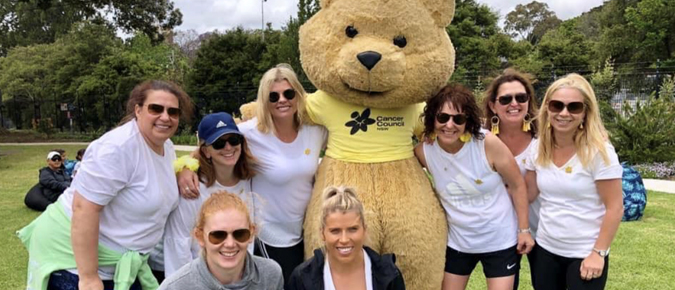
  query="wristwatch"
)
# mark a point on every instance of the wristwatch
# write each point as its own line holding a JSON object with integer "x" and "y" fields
{"x": 602, "y": 253}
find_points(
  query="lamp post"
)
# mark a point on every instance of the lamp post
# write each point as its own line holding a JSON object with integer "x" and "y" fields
{"x": 262, "y": 9}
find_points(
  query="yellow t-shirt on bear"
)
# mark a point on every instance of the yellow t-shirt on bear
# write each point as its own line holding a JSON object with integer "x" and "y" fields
{"x": 365, "y": 135}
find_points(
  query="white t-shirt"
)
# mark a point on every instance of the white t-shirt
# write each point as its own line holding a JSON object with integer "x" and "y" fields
{"x": 521, "y": 160}
{"x": 136, "y": 187}
{"x": 180, "y": 247}
{"x": 481, "y": 217}
{"x": 571, "y": 209}
{"x": 284, "y": 180}
{"x": 328, "y": 283}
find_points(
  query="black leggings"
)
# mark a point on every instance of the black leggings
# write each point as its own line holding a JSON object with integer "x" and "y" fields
{"x": 533, "y": 268}
{"x": 287, "y": 258}
{"x": 559, "y": 273}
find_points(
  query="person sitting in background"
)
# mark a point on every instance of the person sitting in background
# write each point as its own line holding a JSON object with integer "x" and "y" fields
{"x": 224, "y": 230}
{"x": 67, "y": 164}
{"x": 53, "y": 181}
{"x": 78, "y": 157}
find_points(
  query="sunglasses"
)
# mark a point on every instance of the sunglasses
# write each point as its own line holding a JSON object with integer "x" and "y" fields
{"x": 507, "y": 99}
{"x": 56, "y": 158}
{"x": 156, "y": 109}
{"x": 288, "y": 94}
{"x": 458, "y": 119}
{"x": 234, "y": 140}
{"x": 558, "y": 106}
{"x": 240, "y": 235}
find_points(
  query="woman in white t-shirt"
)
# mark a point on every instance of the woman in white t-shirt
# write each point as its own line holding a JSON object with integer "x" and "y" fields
{"x": 576, "y": 174}
{"x": 510, "y": 110}
{"x": 114, "y": 212}
{"x": 225, "y": 164}
{"x": 480, "y": 188}
{"x": 287, "y": 153}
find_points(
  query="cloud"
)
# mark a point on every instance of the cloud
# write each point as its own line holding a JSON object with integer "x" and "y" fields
{"x": 208, "y": 15}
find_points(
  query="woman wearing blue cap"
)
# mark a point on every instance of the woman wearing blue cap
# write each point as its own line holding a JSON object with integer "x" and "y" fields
{"x": 287, "y": 153}
{"x": 225, "y": 164}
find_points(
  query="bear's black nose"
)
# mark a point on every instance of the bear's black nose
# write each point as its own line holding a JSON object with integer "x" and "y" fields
{"x": 369, "y": 59}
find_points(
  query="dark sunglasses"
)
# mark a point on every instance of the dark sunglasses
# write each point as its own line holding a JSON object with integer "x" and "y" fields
{"x": 288, "y": 94}
{"x": 558, "y": 106}
{"x": 458, "y": 119}
{"x": 507, "y": 99}
{"x": 234, "y": 140}
{"x": 156, "y": 109}
{"x": 56, "y": 158}
{"x": 240, "y": 235}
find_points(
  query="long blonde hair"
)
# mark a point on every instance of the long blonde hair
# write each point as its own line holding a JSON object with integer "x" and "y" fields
{"x": 587, "y": 140}
{"x": 281, "y": 72}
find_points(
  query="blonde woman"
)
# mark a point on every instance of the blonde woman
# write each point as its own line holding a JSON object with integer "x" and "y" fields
{"x": 224, "y": 230}
{"x": 288, "y": 155}
{"x": 576, "y": 174}
{"x": 344, "y": 262}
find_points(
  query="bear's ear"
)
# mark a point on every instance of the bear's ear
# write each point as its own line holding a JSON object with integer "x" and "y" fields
{"x": 325, "y": 3}
{"x": 441, "y": 11}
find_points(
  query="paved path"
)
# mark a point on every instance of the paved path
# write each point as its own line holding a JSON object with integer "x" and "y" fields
{"x": 666, "y": 186}
{"x": 651, "y": 184}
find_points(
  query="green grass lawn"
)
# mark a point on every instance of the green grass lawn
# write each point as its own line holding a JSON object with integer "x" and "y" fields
{"x": 643, "y": 253}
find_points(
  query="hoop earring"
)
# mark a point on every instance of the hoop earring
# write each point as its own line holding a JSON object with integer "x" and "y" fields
{"x": 466, "y": 137}
{"x": 495, "y": 125}
{"x": 527, "y": 120}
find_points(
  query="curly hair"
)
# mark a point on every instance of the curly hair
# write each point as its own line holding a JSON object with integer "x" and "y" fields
{"x": 461, "y": 99}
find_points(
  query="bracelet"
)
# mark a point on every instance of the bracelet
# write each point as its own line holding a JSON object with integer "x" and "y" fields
{"x": 522, "y": 231}
{"x": 185, "y": 161}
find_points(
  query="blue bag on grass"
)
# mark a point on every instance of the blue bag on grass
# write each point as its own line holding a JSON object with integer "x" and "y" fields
{"x": 634, "y": 194}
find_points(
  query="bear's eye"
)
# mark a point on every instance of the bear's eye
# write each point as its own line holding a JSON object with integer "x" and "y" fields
{"x": 351, "y": 31}
{"x": 400, "y": 41}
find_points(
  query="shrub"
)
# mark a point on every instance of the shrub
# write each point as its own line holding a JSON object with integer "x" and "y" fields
{"x": 185, "y": 138}
{"x": 647, "y": 133}
{"x": 660, "y": 170}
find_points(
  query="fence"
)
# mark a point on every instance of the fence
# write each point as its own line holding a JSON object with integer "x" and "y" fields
{"x": 102, "y": 113}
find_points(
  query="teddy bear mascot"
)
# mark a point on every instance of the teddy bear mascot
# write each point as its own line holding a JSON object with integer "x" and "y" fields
{"x": 375, "y": 62}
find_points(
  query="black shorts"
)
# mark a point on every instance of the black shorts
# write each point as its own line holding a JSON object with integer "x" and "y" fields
{"x": 502, "y": 263}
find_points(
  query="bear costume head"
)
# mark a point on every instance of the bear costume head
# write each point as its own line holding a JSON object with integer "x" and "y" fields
{"x": 379, "y": 53}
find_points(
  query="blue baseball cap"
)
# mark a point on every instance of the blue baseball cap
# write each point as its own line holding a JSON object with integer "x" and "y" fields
{"x": 215, "y": 125}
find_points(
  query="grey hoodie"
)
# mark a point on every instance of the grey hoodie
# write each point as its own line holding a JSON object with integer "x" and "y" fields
{"x": 259, "y": 273}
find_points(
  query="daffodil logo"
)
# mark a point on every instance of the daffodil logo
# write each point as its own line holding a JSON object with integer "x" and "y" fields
{"x": 360, "y": 121}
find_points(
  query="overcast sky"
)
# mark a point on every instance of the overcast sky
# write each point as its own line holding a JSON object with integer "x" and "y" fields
{"x": 208, "y": 15}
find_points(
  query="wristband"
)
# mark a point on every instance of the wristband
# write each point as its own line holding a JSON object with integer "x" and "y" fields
{"x": 522, "y": 231}
{"x": 185, "y": 161}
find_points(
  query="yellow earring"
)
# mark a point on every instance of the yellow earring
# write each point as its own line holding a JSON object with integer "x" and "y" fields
{"x": 526, "y": 123}
{"x": 495, "y": 125}
{"x": 466, "y": 137}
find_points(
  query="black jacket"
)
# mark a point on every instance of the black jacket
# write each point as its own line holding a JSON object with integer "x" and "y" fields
{"x": 309, "y": 275}
{"x": 53, "y": 182}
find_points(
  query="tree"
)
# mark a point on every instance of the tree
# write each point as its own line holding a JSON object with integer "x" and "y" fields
{"x": 565, "y": 49}
{"x": 26, "y": 22}
{"x": 306, "y": 9}
{"x": 227, "y": 68}
{"x": 480, "y": 46}
{"x": 531, "y": 21}
{"x": 654, "y": 22}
